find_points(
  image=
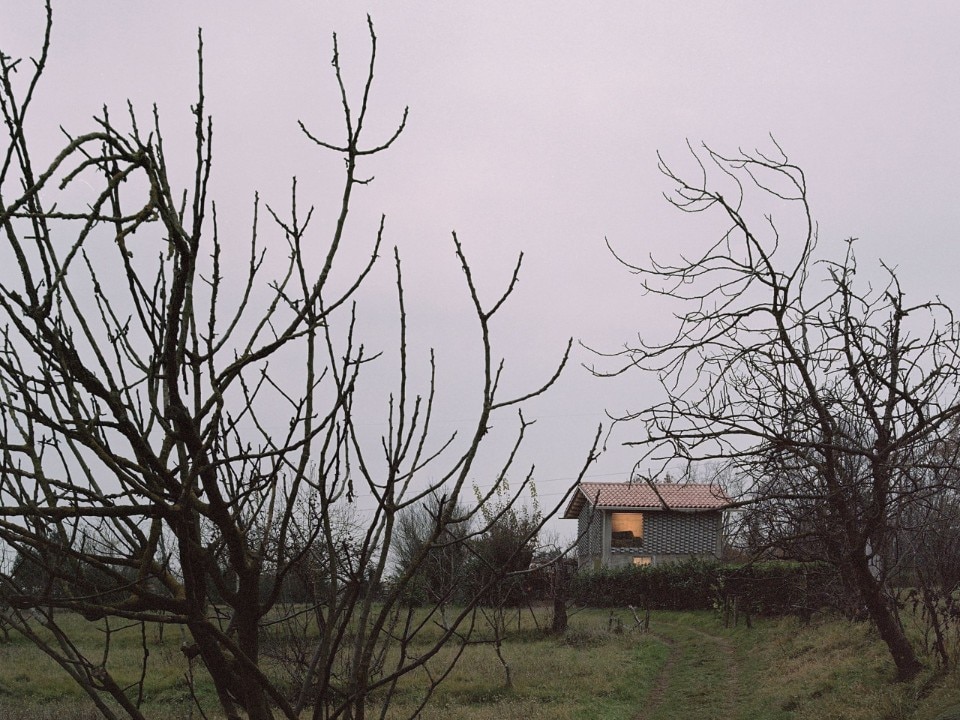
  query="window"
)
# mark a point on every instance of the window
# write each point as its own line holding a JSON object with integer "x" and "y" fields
{"x": 626, "y": 529}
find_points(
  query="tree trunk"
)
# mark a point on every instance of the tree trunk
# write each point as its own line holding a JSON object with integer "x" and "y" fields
{"x": 560, "y": 582}
{"x": 883, "y": 617}
{"x": 559, "y": 615}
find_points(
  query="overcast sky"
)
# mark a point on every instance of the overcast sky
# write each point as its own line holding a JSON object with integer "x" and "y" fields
{"x": 534, "y": 127}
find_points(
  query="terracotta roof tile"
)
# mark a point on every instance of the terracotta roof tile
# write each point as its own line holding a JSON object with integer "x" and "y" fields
{"x": 675, "y": 496}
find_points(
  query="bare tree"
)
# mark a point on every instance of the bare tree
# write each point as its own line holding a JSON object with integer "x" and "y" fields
{"x": 926, "y": 553}
{"x": 827, "y": 396}
{"x": 162, "y": 422}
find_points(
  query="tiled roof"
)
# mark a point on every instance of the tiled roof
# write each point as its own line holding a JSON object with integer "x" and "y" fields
{"x": 640, "y": 495}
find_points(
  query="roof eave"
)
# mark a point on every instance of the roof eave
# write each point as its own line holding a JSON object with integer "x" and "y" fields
{"x": 575, "y": 505}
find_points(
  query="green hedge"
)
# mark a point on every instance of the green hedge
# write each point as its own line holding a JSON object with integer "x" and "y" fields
{"x": 781, "y": 588}
{"x": 769, "y": 588}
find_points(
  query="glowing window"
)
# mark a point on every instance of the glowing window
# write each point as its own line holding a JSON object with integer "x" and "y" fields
{"x": 626, "y": 529}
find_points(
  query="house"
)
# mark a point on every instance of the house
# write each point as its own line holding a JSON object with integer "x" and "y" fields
{"x": 643, "y": 524}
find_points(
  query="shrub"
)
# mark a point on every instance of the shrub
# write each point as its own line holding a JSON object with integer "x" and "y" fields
{"x": 769, "y": 588}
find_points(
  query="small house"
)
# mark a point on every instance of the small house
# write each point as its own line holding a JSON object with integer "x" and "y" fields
{"x": 645, "y": 523}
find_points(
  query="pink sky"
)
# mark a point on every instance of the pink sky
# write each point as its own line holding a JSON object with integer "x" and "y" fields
{"x": 534, "y": 126}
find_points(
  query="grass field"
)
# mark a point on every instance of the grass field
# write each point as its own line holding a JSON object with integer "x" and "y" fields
{"x": 687, "y": 666}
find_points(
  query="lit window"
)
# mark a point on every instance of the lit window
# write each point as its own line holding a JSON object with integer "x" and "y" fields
{"x": 626, "y": 529}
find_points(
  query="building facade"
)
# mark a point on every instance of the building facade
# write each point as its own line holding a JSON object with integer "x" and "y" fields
{"x": 646, "y": 524}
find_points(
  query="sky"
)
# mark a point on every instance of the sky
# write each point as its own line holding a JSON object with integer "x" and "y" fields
{"x": 534, "y": 127}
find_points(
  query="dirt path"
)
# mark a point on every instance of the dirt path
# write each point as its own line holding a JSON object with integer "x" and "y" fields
{"x": 731, "y": 664}
{"x": 663, "y": 678}
{"x": 683, "y": 642}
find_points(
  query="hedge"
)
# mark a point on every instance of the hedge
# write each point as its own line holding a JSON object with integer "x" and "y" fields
{"x": 768, "y": 588}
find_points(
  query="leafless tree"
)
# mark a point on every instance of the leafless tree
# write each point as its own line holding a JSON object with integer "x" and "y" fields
{"x": 161, "y": 422}
{"x": 827, "y": 395}
{"x": 926, "y": 555}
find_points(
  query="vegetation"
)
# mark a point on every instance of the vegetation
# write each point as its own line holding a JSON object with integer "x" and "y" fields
{"x": 177, "y": 531}
{"x": 158, "y": 467}
{"x": 834, "y": 402}
{"x": 764, "y": 588}
{"x": 688, "y": 665}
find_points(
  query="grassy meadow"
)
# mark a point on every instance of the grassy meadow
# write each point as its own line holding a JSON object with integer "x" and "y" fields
{"x": 688, "y": 665}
